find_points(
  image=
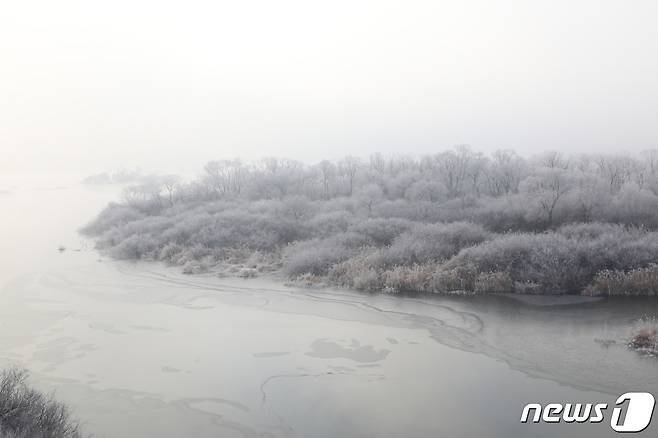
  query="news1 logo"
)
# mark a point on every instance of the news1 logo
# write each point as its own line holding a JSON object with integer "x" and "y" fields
{"x": 632, "y": 412}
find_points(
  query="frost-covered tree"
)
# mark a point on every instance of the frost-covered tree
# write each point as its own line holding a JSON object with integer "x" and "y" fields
{"x": 453, "y": 220}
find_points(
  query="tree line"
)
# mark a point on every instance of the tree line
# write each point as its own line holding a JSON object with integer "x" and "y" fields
{"x": 434, "y": 223}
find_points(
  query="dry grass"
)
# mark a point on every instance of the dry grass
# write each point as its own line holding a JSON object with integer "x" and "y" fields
{"x": 640, "y": 281}
{"x": 494, "y": 282}
{"x": 645, "y": 336}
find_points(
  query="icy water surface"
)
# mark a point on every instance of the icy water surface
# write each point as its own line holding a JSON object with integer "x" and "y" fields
{"x": 139, "y": 350}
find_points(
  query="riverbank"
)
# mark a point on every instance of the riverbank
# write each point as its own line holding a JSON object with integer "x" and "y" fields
{"x": 396, "y": 256}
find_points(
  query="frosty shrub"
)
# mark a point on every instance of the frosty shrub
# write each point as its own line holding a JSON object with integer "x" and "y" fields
{"x": 426, "y": 190}
{"x": 331, "y": 223}
{"x": 194, "y": 267}
{"x": 589, "y": 231}
{"x": 453, "y": 280}
{"x": 248, "y": 273}
{"x": 170, "y": 252}
{"x": 358, "y": 273}
{"x": 559, "y": 264}
{"x": 381, "y": 231}
{"x": 639, "y": 281}
{"x": 503, "y": 214}
{"x": 135, "y": 246}
{"x": 633, "y": 205}
{"x": 432, "y": 242}
{"x": 414, "y": 278}
{"x": 114, "y": 215}
{"x": 454, "y": 221}
{"x": 493, "y": 282}
{"x": 26, "y": 412}
{"x": 368, "y": 280}
{"x": 539, "y": 258}
{"x": 318, "y": 256}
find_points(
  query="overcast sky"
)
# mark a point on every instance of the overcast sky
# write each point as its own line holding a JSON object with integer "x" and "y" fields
{"x": 168, "y": 85}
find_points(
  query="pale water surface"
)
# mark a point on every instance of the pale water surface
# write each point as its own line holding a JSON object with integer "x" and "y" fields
{"x": 139, "y": 350}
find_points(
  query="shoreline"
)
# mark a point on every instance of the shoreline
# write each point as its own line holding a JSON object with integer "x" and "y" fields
{"x": 235, "y": 271}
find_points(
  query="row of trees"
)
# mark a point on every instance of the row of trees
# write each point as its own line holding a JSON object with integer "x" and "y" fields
{"x": 457, "y": 219}
{"x": 452, "y": 174}
{"x": 551, "y": 188}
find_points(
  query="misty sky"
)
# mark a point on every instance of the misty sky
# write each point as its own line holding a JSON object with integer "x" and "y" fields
{"x": 168, "y": 85}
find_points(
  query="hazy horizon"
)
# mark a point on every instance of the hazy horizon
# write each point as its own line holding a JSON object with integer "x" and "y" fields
{"x": 167, "y": 86}
{"x": 154, "y": 287}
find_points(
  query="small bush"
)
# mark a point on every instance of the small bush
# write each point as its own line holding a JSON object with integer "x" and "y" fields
{"x": 408, "y": 278}
{"x": 134, "y": 247}
{"x": 382, "y": 231}
{"x": 432, "y": 243}
{"x": 114, "y": 215}
{"x": 331, "y": 223}
{"x": 493, "y": 282}
{"x": 358, "y": 273}
{"x": 27, "y": 413}
{"x": 318, "y": 256}
{"x": 589, "y": 231}
{"x": 455, "y": 280}
{"x": 645, "y": 336}
{"x": 194, "y": 267}
{"x": 170, "y": 252}
{"x": 640, "y": 281}
{"x": 248, "y": 273}
{"x": 368, "y": 280}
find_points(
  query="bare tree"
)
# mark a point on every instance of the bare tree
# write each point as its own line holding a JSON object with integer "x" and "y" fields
{"x": 547, "y": 186}
{"x": 348, "y": 168}
{"x": 225, "y": 177}
{"x": 616, "y": 170}
{"x": 327, "y": 171}
{"x": 504, "y": 172}
{"x": 369, "y": 195}
{"x": 553, "y": 160}
{"x": 170, "y": 184}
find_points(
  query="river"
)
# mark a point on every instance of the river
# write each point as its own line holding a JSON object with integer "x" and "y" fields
{"x": 141, "y": 350}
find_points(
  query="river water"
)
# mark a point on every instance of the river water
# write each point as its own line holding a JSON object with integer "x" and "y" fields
{"x": 140, "y": 350}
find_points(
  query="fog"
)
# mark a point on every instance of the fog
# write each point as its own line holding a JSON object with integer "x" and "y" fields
{"x": 350, "y": 218}
{"x": 171, "y": 85}
{"x": 137, "y": 349}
